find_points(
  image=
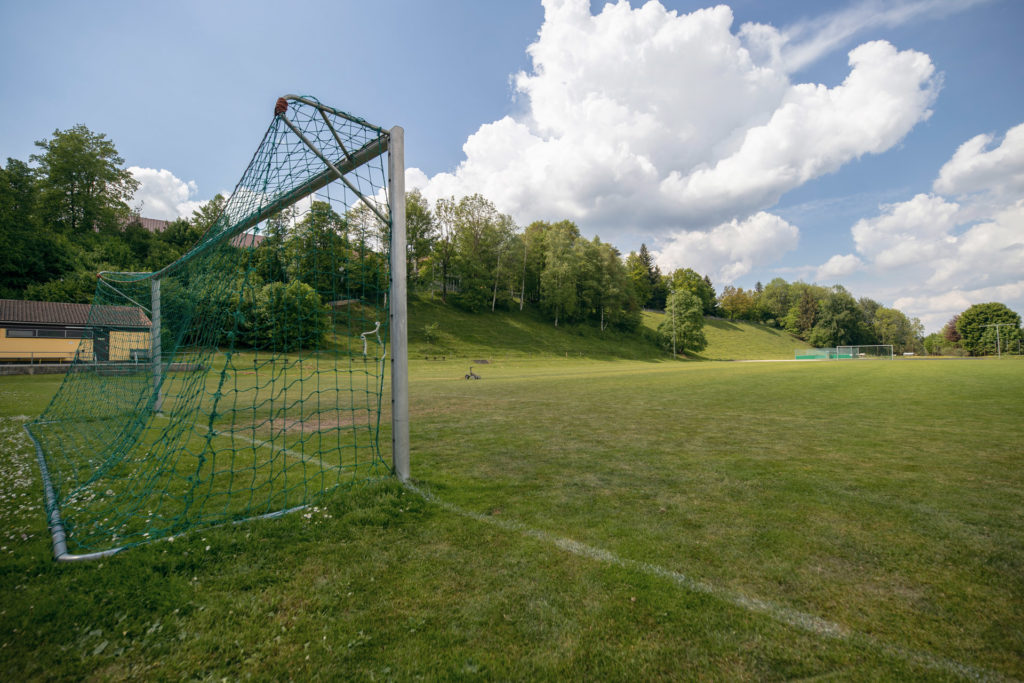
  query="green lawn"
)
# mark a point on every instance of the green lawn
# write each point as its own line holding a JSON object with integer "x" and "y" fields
{"x": 738, "y": 339}
{"x": 514, "y": 334}
{"x": 599, "y": 519}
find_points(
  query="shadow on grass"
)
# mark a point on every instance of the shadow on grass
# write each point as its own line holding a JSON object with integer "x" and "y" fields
{"x": 722, "y": 324}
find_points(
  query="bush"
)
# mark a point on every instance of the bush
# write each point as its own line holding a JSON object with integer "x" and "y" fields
{"x": 289, "y": 317}
{"x": 431, "y": 332}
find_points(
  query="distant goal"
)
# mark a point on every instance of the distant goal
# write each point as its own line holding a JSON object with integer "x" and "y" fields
{"x": 868, "y": 351}
{"x": 865, "y": 351}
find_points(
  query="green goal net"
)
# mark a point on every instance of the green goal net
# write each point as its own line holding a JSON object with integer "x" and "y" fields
{"x": 246, "y": 378}
{"x": 865, "y": 351}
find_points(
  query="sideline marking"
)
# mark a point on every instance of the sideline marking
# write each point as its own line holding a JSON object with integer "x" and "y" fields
{"x": 780, "y": 613}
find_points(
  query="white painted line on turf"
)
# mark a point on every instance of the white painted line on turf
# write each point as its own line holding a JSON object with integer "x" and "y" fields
{"x": 261, "y": 444}
{"x": 780, "y": 613}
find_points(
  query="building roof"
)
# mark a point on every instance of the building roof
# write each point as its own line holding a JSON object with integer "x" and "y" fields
{"x": 59, "y": 313}
{"x": 247, "y": 239}
{"x": 151, "y": 224}
{"x": 243, "y": 240}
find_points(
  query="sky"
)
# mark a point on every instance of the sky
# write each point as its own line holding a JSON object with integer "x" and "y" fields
{"x": 877, "y": 145}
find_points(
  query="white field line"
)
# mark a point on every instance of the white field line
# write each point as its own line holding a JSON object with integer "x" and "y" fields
{"x": 261, "y": 444}
{"x": 267, "y": 444}
{"x": 780, "y": 613}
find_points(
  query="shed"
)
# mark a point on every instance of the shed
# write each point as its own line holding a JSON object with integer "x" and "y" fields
{"x": 49, "y": 331}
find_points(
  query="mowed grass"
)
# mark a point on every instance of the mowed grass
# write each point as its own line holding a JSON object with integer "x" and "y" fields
{"x": 610, "y": 519}
{"x": 513, "y": 334}
{"x": 738, "y": 339}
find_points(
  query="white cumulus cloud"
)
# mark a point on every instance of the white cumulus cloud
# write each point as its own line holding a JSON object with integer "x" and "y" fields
{"x": 730, "y": 250}
{"x": 975, "y": 168}
{"x": 814, "y": 131}
{"x": 641, "y": 123}
{"x": 942, "y": 255}
{"x": 837, "y": 267}
{"x": 907, "y": 232}
{"x": 163, "y": 195}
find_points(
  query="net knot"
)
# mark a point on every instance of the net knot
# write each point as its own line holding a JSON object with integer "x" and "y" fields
{"x": 281, "y": 106}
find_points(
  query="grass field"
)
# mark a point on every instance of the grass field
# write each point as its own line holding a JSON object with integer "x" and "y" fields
{"x": 613, "y": 519}
{"x": 738, "y": 339}
{"x": 527, "y": 334}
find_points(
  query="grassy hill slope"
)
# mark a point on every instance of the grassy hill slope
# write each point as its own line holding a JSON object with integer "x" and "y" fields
{"x": 525, "y": 334}
{"x": 514, "y": 334}
{"x": 739, "y": 340}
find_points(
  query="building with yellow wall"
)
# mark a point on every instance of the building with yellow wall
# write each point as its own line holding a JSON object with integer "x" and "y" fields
{"x": 48, "y": 332}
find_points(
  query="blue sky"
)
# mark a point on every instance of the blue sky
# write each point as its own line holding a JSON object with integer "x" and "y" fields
{"x": 829, "y": 142}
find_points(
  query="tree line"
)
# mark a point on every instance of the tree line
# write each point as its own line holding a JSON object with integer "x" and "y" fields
{"x": 981, "y": 330}
{"x": 67, "y": 217}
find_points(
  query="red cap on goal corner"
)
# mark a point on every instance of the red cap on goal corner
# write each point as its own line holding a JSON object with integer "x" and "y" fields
{"x": 281, "y": 106}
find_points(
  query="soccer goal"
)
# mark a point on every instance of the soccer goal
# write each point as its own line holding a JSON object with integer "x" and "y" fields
{"x": 864, "y": 351}
{"x": 247, "y": 378}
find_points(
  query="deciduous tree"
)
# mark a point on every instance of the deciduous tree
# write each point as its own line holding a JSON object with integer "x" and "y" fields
{"x": 83, "y": 186}
{"x": 976, "y": 327}
{"x": 29, "y": 254}
{"x": 683, "y": 326}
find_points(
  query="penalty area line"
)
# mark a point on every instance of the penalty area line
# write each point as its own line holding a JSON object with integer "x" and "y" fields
{"x": 780, "y": 613}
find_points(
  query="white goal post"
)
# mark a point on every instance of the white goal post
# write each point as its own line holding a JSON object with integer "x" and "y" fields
{"x": 864, "y": 351}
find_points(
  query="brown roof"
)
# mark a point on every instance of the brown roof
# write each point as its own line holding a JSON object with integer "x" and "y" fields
{"x": 245, "y": 239}
{"x": 151, "y": 224}
{"x": 59, "y": 313}
{"x": 154, "y": 224}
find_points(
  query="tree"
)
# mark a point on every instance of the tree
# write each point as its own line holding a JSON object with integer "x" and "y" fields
{"x": 421, "y": 232}
{"x": 803, "y": 309}
{"x": 949, "y": 331}
{"x": 976, "y": 327}
{"x": 29, "y": 254}
{"x": 688, "y": 279}
{"x": 289, "y": 317}
{"x": 534, "y": 249}
{"x": 894, "y": 327}
{"x": 505, "y": 265}
{"x": 934, "y": 344}
{"x": 181, "y": 234}
{"x": 840, "y": 321}
{"x": 775, "y": 301}
{"x": 870, "y": 308}
{"x": 639, "y": 276}
{"x": 444, "y": 247}
{"x": 481, "y": 236}
{"x": 318, "y": 254}
{"x": 83, "y": 186}
{"x": 614, "y": 300}
{"x": 659, "y": 287}
{"x": 77, "y": 287}
{"x": 269, "y": 259}
{"x": 207, "y": 214}
{"x": 558, "y": 286}
{"x": 736, "y": 303}
{"x": 683, "y": 326}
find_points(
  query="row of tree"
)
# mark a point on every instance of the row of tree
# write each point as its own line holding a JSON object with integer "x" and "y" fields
{"x": 68, "y": 217}
{"x": 475, "y": 257}
{"x": 981, "y": 330}
{"x": 823, "y": 316}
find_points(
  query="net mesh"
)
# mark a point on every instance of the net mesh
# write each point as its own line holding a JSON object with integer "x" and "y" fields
{"x": 246, "y": 378}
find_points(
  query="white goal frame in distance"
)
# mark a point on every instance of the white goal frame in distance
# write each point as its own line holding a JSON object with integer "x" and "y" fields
{"x": 852, "y": 352}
